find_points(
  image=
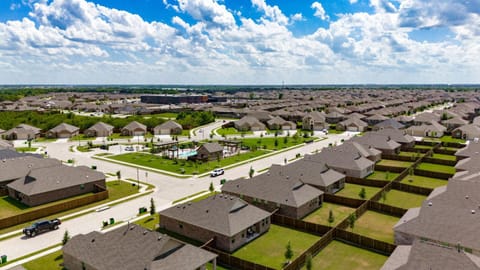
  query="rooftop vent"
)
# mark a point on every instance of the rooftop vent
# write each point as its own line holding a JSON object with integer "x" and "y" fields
{"x": 429, "y": 203}
{"x": 473, "y": 211}
{"x": 93, "y": 240}
{"x": 466, "y": 197}
{"x": 145, "y": 232}
{"x": 206, "y": 211}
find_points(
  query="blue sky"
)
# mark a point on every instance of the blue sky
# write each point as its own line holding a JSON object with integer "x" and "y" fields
{"x": 239, "y": 41}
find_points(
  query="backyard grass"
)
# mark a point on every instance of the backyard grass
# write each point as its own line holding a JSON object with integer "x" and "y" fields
{"x": 149, "y": 222}
{"x": 269, "y": 143}
{"x": 403, "y": 199}
{"x": 375, "y": 225}
{"x": 410, "y": 154}
{"x": 51, "y": 261}
{"x": 383, "y": 175}
{"x": 269, "y": 248}
{"x": 338, "y": 255}
{"x": 189, "y": 167}
{"x": 395, "y": 163}
{"x": 320, "y": 216}
{"x": 353, "y": 190}
{"x": 26, "y": 149}
{"x": 449, "y": 148}
{"x": 169, "y": 115}
{"x": 423, "y": 147}
{"x": 445, "y": 139}
{"x": 231, "y": 131}
{"x": 444, "y": 157}
{"x": 423, "y": 181}
{"x": 436, "y": 168}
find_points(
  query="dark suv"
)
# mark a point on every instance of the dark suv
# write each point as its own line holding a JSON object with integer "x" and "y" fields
{"x": 41, "y": 226}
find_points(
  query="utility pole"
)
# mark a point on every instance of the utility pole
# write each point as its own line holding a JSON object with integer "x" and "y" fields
{"x": 138, "y": 180}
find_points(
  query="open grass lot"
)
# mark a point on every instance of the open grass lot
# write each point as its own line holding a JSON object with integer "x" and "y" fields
{"x": 119, "y": 136}
{"x": 269, "y": 248}
{"x": 395, "y": 163}
{"x": 423, "y": 181}
{"x": 116, "y": 190}
{"x": 158, "y": 162}
{"x": 43, "y": 139}
{"x": 338, "y": 256}
{"x": 352, "y": 191}
{"x": 231, "y": 131}
{"x": 423, "y": 147}
{"x": 320, "y": 216}
{"x": 269, "y": 143}
{"x": 375, "y": 225}
{"x": 51, "y": 261}
{"x": 381, "y": 175}
{"x": 403, "y": 199}
{"x": 436, "y": 168}
{"x": 444, "y": 157}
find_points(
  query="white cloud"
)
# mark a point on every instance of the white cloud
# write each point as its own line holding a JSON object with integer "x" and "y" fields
{"x": 297, "y": 17}
{"x": 353, "y": 1}
{"x": 208, "y": 11}
{"x": 272, "y": 12}
{"x": 319, "y": 11}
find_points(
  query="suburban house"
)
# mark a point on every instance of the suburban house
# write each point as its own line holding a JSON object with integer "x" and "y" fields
{"x": 290, "y": 196}
{"x": 380, "y": 142}
{"x": 345, "y": 161}
{"x": 100, "y": 129}
{"x": 249, "y": 123}
{"x": 447, "y": 218}
{"x": 334, "y": 117}
{"x": 134, "y": 128}
{"x": 168, "y": 128}
{"x": 466, "y": 132}
{"x": 22, "y": 132}
{"x": 278, "y": 123}
{"x": 352, "y": 124}
{"x": 230, "y": 221}
{"x": 318, "y": 175}
{"x": 356, "y": 115}
{"x": 454, "y": 123}
{"x": 209, "y": 151}
{"x": 314, "y": 121}
{"x": 63, "y": 130}
{"x": 404, "y": 120}
{"x": 388, "y": 124}
{"x": 433, "y": 129}
{"x": 375, "y": 119}
{"x": 473, "y": 148}
{"x": 133, "y": 247}
{"x": 425, "y": 255}
{"x": 426, "y": 118}
{"x": 48, "y": 184}
{"x": 6, "y": 145}
{"x": 261, "y": 115}
{"x": 400, "y": 136}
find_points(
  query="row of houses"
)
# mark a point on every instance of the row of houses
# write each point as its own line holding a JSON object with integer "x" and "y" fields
{"x": 100, "y": 129}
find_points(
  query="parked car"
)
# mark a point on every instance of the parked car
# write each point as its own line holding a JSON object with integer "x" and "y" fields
{"x": 129, "y": 148}
{"x": 325, "y": 131}
{"x": 217, "y": 172}
{"x": 42, "y": 226}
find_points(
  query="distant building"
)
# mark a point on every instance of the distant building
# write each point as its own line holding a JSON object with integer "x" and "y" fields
{"x": 173, "y": 99}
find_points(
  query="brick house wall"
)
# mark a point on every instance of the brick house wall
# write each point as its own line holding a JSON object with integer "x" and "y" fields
{"x": 354, "y": 173}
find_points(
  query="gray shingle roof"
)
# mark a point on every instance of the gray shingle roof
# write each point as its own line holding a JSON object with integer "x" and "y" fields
{"x": 14, "y": 168}
{"x": 64, "y": 127}
{"x": 377, "y": 141}
{"x": 101, "y": 126}
{"x": 309, "y": 172}
{"x": 135, "y": 125}
{"x": 342, "y": 157}
{"x": 390, "y": 123}
{"x": 169, "y": 125}
{"x": 136, "y": 248}
{"x": 399, "y": 136}
{"x": 472, "y": 148}
{"x": 226, "y": 215}
{"x": 212, "y": 147}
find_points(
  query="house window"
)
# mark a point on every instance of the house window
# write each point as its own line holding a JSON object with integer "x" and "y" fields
{"x": 180, "y": 225}
{"x": 82, "y": 186}
{"x": 233, "y": 240}
{"x": 243, "y": 235}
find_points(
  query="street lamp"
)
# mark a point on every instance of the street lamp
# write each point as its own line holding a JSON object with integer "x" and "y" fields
{"x": 138, "y": 181}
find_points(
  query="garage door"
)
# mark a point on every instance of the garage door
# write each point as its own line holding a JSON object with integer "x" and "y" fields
{"x": 352, "y": 129}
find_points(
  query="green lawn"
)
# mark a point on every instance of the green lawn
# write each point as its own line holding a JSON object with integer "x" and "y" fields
{"x": 410, "y": 154}
{"x": 381, "y": 175}
{"x": 423, "y": 147}
{"x": 436, "y": 168}
{"x": 353, "y": 190}
{"x": 81, "y": 137}
{"x": 339, "y": 256}
{"x": 169, "y": 115}
{"x": 444, "y": 157}
{"x": 395, "y": 163}
{"x": 449, "y": 148}
{"x": 423, "y": 181}
{"x": 450, "y": 139}
{"x": 119, "y": 136}
{"x": 403, "y": 199}
{"x": 43, "y": 139}
{"x": 149, "y": 222}
{"x": 269, "y": 143}
{"x": 320, "y": 216}
{"x": 334, "y": 131}
{"x": 49, "y": 262}
{"x": 231, "y": 131}
{"x": 26, "y": 149}
{"x": 269, "y": 248}
{"x": 375, "y": 225}
{"x": 189, "y": 167}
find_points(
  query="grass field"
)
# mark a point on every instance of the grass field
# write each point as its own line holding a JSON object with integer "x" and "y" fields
{"x": 410, "y": 154}
{"x": 423, "y": 181}
{"x": 395, "y": 163}
{"x": 81, "y": 137}
{"x": 423, "y": 147}
{"x": 436, "y": 168}
{"x": 353, "y": 190}
{"x": 403, "y": 199}
{"x": 338, "y": 256}
{"x": 375, "y": 225}
{"x": 381, "y": 175}
{"x": 26, "y": 149}
{"x": 320, "y": 216}
{"x": 231, "y": 131}
{"x": 157, "y": 162}
{"x": 51, "y": 261}
{"x": 269, "y": 143}
{"x": 269, "y": 248}
{"x": 444, "y": 157}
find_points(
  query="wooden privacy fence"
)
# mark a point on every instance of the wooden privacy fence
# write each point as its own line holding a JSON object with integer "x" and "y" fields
{"x": 300, "y": 224}
{"x": 364, "y": 242}
{"x": 445, "y": 151}
{"x": 400, "y": 158}
{"x": 234, "y": 262}
{"x": 386, "y": 209}
{"x": 313, "y": 250}
{"x": 51, "y": 209}
{"x": 411, "y": 189}
{"x": 365, "y": 182}
{"x": 350, "y": 202}
{"x": 388, "y": 168}
{"x": 440, "y": 161}
{"x": 431, "y": 174}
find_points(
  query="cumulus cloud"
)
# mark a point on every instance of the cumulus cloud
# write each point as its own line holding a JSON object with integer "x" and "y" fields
{"x": 319, "y": 11}
{"x": 272, "y": 12}
{"x": 208, "y": 11}
{"x": 297, "y": 17}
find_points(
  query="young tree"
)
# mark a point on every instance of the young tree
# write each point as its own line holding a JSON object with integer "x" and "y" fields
{"x": 65, "y": 239}
{"x": 251, "y": 172}
{"x": 362, "y": 193}
{"x": 331, "y": 218}
{"x": 288, "y": 252}
{"x": 351, "y": 220}
{"x": 308, "y": 262}
{"x": 152, "y": 207}
{"x": 211, "y": 188}
{"x": 384, "y": 196}
{"x": 387, "y": 174}
{"x": 275, "y": 142}
{"x": 119, "y": 175}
